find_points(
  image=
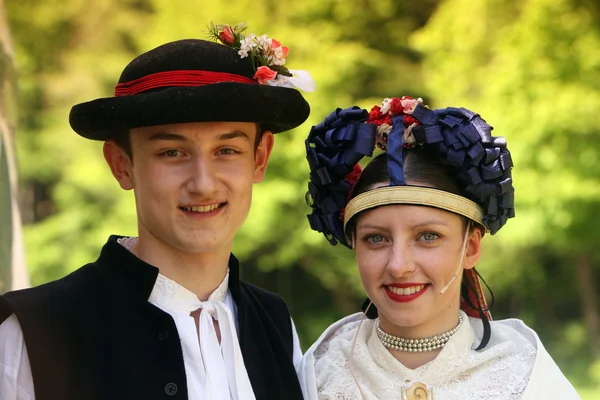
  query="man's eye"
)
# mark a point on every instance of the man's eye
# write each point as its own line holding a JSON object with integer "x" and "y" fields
{"x": 171, "y": 153}
{"x": 227, "y": 151}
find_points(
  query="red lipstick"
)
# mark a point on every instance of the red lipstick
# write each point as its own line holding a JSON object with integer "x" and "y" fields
{"x": 405, "y": 298}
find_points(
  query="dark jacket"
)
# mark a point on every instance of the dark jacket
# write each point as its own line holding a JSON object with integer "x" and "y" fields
{"x": 93, "y": 334}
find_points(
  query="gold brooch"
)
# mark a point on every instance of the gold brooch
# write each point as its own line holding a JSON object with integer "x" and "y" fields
{"x": 416, "y": 391}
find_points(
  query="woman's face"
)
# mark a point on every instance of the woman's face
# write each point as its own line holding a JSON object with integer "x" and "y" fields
{"x": 406, "y": 255}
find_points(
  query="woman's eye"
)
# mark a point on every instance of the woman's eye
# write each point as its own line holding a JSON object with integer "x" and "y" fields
{"x": 430, "y": 236}
{"x": 374, "y": 239}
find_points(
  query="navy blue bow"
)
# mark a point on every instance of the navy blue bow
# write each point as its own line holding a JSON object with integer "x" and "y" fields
{"x": 333, "y": 148}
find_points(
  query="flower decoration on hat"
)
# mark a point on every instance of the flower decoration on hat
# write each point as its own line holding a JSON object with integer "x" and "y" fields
{"x": 267, "y": 56}
{"x": 381, "y": 116}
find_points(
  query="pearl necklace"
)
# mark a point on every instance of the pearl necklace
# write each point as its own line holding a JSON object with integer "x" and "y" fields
{"x": 416, "y": 345}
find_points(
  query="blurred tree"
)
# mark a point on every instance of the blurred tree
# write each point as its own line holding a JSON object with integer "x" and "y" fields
{"x": 76, "y": 52}
{"x": 531, "y": 68}
{"x": 12, "y": 268}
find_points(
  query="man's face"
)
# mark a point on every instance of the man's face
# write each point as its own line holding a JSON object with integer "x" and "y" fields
{"x": 192, "y": 181}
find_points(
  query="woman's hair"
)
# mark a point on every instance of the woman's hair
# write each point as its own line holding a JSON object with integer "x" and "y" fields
{"x": 419, "y": 166}
{"x": 424, "y": 169}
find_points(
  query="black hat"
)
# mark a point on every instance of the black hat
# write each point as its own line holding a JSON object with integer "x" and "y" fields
{"x": 189, "y": 80}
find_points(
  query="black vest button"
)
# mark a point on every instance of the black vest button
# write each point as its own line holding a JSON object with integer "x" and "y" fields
{"x": 163, "y": 334}
{"x": 171, "y": 389}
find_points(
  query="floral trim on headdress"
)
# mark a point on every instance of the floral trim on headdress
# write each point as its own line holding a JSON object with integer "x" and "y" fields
{"x": 381, "y": 116}
{"x": 266, "y": 55}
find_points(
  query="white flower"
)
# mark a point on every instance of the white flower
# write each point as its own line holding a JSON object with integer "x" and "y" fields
{"x": 386, "y": 105}
{"x": 278, "y": 58}
{"x": 243, "y": 53}
{"x": 408, "y": 136}
{"x": 248, "y": 42}
{"x": 263, "y": 43}
{"x": 384, "y": 128}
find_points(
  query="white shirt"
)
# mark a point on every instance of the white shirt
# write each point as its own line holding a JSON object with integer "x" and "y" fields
{"x": 514, "y": 365}
{"x": 16, "y": 381}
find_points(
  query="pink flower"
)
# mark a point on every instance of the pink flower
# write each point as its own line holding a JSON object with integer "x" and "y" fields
{"x": 284, "y": 50}
{"x": 226, "y": 35}
{"x": 264, "y": 74}
{"x": 409, "y": 104}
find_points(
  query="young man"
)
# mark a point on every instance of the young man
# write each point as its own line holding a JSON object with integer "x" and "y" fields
{"x": 165, "y": 315}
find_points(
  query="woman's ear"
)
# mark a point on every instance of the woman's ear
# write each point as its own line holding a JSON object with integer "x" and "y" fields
{"x": 473, "y": 251}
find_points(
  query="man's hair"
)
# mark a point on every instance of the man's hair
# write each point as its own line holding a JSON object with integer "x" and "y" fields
{"x": 123, "y": 140}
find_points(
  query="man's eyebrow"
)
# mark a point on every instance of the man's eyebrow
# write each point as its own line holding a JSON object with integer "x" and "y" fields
{"x": 168, "y": 136}
{"x": 177, "y": 137}
{"x": 233, "y": 135}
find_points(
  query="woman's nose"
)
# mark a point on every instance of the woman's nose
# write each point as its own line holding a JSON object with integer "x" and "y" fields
{"x": 400, "y": 261}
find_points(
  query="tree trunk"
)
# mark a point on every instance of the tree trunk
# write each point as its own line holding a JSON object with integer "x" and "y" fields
{"x": 589, "y": 301}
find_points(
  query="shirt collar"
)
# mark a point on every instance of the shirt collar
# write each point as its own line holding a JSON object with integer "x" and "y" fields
{"x": 138, "y": 278}
{"x": 170, "y": 294}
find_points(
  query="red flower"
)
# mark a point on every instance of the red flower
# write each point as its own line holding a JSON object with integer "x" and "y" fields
{"x": 226, "y": 35}
{"x": 284, "y": 50}
{"x": 375, "y": 114}
{"x": 352, "y": 179}
{"x": 264, "y": 74}
{"x": 353, "y": 176}
{"x": 409, "y": 120}
{"x": 396, "y": 106}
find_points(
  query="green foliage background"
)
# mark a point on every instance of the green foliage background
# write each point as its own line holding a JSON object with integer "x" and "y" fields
{"x": 530, "y": 67}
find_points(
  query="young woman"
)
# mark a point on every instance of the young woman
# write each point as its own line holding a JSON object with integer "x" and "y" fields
{"x": 415, "y": 218}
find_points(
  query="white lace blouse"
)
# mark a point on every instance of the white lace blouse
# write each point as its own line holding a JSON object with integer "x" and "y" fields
{"x": 514, "y": 365}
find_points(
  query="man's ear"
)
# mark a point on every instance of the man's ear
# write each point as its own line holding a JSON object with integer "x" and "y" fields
{"x": 473, "y": 251}
{"x": 119, "y": 163}
{"x": 262, "y": 155}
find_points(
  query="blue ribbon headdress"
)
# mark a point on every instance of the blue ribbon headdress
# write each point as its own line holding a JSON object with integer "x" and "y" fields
{"x": 460, "y": 136}
{"x": 482, "y": 164}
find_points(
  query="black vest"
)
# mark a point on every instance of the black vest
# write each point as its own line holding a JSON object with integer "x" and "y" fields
{"x": 94, "y": 335}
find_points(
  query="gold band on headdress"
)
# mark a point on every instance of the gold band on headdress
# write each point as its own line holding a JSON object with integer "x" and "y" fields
{"x": 415, "y": 195}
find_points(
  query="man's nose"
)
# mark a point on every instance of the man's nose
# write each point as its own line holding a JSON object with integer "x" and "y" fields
{"x": 203, "y": 178}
